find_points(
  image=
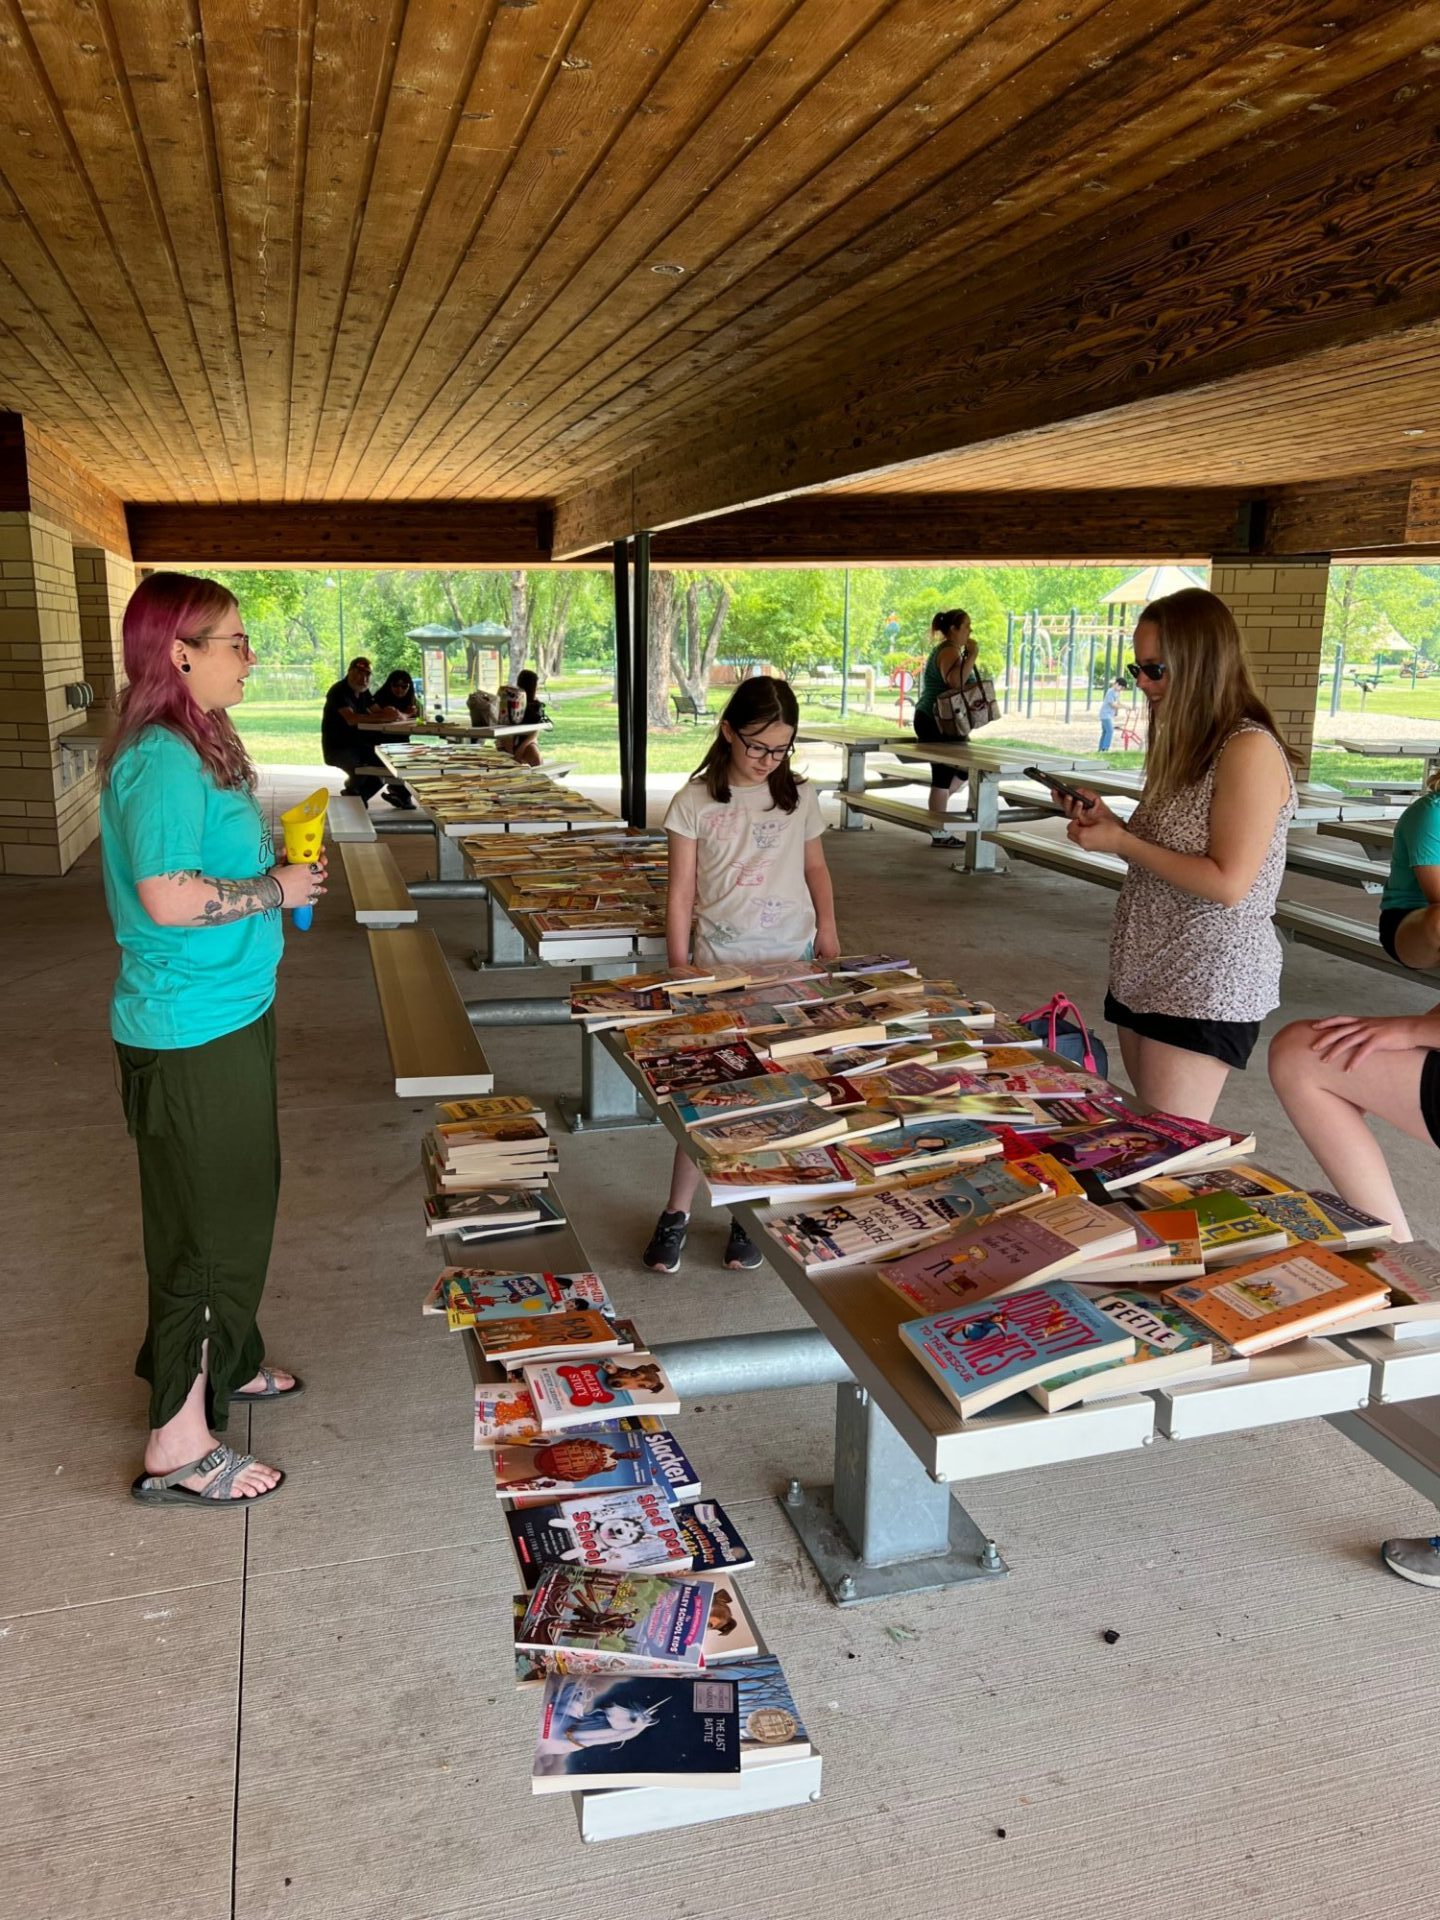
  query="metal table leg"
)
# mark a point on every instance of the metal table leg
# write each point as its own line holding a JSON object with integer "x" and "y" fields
{"x": 884, "y": 1527}
{"x": 854, "y": 782}
{"x": 449, "y": 861}
{"x": 609, "y": 1098}
{"x": 506, "y": 949}
{"x": 984, "y": 809}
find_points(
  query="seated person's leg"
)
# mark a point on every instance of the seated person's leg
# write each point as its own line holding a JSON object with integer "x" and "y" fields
{"x": 365, "y": 774}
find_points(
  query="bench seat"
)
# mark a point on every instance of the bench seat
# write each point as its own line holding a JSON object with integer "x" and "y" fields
{"x": 894, "y": 812}
{"x": 377, "y": 887}
{"x": 348, "y": 818}
{"x": 434, "y": 1053}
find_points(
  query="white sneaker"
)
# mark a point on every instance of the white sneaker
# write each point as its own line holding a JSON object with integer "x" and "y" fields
{"x": 1417, "y": 1560}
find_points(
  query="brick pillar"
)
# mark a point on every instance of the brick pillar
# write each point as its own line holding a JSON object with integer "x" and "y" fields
{"x": 1279, "y": 606}
{"x": 49, "y": 802}
{"x": 103, "y": 583}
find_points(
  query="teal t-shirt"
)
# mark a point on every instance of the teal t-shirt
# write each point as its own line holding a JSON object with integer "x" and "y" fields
{"x": 1416, "y": 844}
{"x": 161, "y": 812}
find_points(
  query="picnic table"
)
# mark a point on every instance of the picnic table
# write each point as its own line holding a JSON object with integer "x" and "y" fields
{"x": 888, "y": 1524}
{"x": 1426, "y": 750}
{"x": 447, "y": 729}
{"x": 855, "y": 747}
{"x": 987, "y": 767}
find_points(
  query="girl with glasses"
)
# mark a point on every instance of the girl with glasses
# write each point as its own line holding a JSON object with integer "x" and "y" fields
{"x": 1194, "y": 959}
{"x": 747, "y": 869}
{"x": 195, "y": 893}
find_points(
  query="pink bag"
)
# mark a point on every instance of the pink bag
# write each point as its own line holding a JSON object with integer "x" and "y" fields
{"x": 1067, "y": 1036}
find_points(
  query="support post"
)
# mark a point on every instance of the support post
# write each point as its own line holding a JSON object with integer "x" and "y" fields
{"x": 623, "y": 669}
{"x": 506, "y": 949}
{"x": 639, "y": 680}
{"x": 854, "y": 782}
{"x": 1090, "y": 677}
{"x": 1009, "y": 652}
{"x": 984, "y": 809}
{"x": 609, "y": 1098}
{"x": 1070, "y": 663}
{"x": 845, "y": 650}
{"x": 884, "y": 1527}
{"x": 1336, "y": 681}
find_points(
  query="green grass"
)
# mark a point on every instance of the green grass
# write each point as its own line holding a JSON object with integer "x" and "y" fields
{"x": 279, "y": 733}
{"x": 584, "y": 733}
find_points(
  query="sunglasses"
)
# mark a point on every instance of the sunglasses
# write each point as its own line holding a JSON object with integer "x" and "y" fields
{"x": 1152, "y": 669}
{"x": 757, "y": 752}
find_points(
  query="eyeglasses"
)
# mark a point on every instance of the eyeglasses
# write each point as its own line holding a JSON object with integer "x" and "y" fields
{"x": 756, "y": 752}
{"x": 203, "y": 639}
{"x": 1152, "y": 669}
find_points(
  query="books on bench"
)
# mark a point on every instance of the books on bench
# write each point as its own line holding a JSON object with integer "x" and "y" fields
{"x": 637, "y": 1730}
{"x": 467, "y": 1295}
{"x": 576, "y": 1394}
{"x": 592, "y": 1460}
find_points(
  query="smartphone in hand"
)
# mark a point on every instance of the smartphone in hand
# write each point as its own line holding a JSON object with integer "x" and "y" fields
{"x": 1059, "y": 786}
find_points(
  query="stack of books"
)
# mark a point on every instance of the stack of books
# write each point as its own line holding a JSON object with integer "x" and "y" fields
{"x": 488, "y": 1163}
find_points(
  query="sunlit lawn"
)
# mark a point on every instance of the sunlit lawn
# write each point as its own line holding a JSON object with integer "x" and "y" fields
{"x": 584, "y": 733}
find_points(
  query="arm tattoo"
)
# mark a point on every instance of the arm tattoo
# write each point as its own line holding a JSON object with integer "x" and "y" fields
{"x": 231, "y": 899}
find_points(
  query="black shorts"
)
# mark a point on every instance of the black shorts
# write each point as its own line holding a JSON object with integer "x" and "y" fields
{"x": 1390, "y": 918}
{"x": 1230, "y": 1041}
{"x": 929, "y": 734}
{"x": 1430, "y": 1094}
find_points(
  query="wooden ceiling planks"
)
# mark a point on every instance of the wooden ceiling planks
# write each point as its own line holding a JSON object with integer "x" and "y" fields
{"x": 293, "y": 249}
{"x": 882, "y": 217}
{"x": 1331, "y": 244}
{"x": 959, "y": 264}
{"x": 1350, "y": 411}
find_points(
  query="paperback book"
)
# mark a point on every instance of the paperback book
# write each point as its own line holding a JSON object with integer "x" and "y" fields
{"x": 700, "y": 1068}
{"x": 586, "y": 1462}
{"x": 578, "y": 1393}
{"x": 799, "y": 1126}
{"x": 991, "y": 1353}
{"x": 1285, "y": 1296}
{"x": 630, "y": 1620}
{"x": 1232, "y": 1230}
{"x": 922, "y": 1143}
{"x": 819, "y": 1170}
{"x": 1018, "y": 1250}
{"x": 744, "y": 1099}
{"x": 1411, "y": 1270}
{"x": 471, "y": 1294}
{"x": 1169, "y": 1347}
{"x": 544, "y": 1212}
{"x": 488, "y": 1209}
{"x": 729, "y": 1637}
{"x": 530, "y": 1339}
{"x": 630, "y": 1532}
{"x": 637, "y": 1730}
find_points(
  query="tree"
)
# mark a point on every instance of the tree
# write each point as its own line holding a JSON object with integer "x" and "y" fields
{"x": 706, "y": 604}
{"x": 661, "y": 648}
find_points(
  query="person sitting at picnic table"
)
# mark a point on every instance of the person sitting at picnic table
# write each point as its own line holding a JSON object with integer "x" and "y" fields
{"x": 522, "y": 745}
{"x": 950, "y": 663}
{"x": 1108, "y": 707}
{"x": 397, "y": 699}
{"x": 345, "y": 746}
{"x": 1194, "y": 959}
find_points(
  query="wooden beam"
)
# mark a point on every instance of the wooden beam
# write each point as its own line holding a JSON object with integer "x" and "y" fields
{"x": 820, "y": 529}
{"x": 1385, "y": 514}
{"x": 36, "y": 477}
{"x": 438, "y": 533}
{"x": 1328, "y": 242}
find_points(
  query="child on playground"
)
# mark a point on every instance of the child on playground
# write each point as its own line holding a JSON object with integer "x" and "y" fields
{"x": 747, "y": 868}
{"x": 1332, "y": 1074}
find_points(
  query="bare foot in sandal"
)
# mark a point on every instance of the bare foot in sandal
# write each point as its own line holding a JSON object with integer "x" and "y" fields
{"x": 232, "y": 1476}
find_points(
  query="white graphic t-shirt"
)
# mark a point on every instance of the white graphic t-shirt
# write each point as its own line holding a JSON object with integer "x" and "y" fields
{"x": 751, "y": 900}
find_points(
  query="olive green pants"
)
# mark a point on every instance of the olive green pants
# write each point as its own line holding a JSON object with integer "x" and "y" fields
{"x": 205, "y": 1127}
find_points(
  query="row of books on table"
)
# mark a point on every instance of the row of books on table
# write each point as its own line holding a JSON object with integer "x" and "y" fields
{"x": 503, "y": 799}
{"x": 1051, "y": 1241}
{"x": 576, "y": 886}
{"x": 629, "y": 1623}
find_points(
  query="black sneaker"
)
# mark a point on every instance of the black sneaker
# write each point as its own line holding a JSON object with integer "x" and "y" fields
{"x": 945, "y": 840}
{"x": 740, "y": 1249}
{"x": 667, "y": 1243}
{"x": 401, "y": 797}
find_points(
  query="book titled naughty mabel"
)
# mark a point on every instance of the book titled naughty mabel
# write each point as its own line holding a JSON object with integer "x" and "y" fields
{"x": 984, "y": 1356}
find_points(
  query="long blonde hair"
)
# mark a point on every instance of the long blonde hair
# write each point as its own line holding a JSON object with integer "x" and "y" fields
{"x": 1209, "y": 694}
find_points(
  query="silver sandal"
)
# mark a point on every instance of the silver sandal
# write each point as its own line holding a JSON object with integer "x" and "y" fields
{"x": 270, "y": 1391}
{"x": 164, "y": 1490}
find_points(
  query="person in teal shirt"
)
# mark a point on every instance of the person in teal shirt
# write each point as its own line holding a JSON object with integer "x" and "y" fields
{"x": 949, "y": 665}
{"x": 195, "y": 896}
{"x": 1333, "y": 1074}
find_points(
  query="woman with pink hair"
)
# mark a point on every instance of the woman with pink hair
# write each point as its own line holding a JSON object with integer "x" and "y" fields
{"x": 195, "y": 894}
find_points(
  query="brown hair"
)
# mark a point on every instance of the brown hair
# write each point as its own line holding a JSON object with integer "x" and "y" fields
{"x": 1210, "y": 692}
{"x": 758, "y": 703}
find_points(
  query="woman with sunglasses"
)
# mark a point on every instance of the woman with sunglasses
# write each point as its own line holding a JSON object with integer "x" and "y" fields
{"x": 1194, "y": 959}
{"x": 195, "y": 893}
{"x": 748, "y": 869}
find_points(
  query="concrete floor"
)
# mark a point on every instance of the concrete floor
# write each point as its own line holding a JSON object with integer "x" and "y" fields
{"x": 306, "y": 1711}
